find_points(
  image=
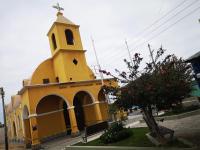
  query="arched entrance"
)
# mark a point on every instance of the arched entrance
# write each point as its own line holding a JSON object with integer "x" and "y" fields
{"x": 52, "y": 117}
{"x": 80, "y": 99}
{"x": 27, "y": 130}
{"x": 66, "y": 116}
{"x": 14, "y": 130}
{"x": 104, "y": 105}
{"x": 101, "y": 96}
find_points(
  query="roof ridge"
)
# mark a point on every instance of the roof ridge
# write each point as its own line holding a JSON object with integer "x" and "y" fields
{"x": 62, "y": 19}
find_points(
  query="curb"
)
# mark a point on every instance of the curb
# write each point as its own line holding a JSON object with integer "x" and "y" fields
{"x": 186, "y": 142}
{"x": 124, "y": 147}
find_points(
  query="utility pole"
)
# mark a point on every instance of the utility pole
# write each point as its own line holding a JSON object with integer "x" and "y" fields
{"x": 129, "y": 53}
{"x": 97, "y": 60}
{"x": 151, "y": 55}
{"x": 99, "y": 67}
{"x": 4, "y": 116}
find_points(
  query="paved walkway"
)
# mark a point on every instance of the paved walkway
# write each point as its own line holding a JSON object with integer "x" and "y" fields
{"x": 61, "y": 143}
{"x": 192, "y": 122}
{"x": 188, "y": 128}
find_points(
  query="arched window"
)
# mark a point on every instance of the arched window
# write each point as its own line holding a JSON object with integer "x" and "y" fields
{"x": 53, "y": 38}
{"x": 69, "y": 37}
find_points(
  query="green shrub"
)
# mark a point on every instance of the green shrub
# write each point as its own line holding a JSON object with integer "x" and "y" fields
{"x": 116, "y": 126}
{"x": 115, "y": 133}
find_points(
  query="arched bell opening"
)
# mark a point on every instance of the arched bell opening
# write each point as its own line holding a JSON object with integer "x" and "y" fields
{"x": 69, "y": 37}
{"x": 53, "y": 38}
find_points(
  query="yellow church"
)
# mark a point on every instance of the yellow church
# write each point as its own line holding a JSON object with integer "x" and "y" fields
{"x": 63, "y": 96}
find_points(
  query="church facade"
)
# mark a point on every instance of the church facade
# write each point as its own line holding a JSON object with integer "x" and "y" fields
{"x": 62, "y": 96}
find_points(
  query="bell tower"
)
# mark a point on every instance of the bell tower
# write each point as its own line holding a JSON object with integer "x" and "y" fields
{"x": 64, "y": 35}
{"x": 67, "y": 51}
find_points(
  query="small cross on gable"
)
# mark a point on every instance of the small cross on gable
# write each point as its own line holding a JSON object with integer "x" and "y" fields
{"x": 57, "y": 6}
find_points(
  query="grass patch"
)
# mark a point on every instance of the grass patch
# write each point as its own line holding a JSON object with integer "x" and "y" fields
{"x": 138, "y": 139}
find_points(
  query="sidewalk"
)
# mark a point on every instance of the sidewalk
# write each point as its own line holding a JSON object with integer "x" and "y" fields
{"x": 61, "y": 143}
{"x": 13, "y": 147}
{"x": 186, "y": 128}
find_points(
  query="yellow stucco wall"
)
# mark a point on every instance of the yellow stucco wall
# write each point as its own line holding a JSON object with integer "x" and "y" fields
{"x": 50, "y": 125}
{"x": 58, "y": 67}
{"x": 104, "y": 111}
{"x": 50, "y": 119}
{"x": 77, "y": 72}
{"x": 67, "y": 91}
{"x": 89, "y": 112}
{"x": 44, "y": 71}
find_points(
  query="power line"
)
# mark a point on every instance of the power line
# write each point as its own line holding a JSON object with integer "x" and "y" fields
{"x": 157, "y": 20}
{"x": 169, "y": 19}
{"x": 145, "y": 41}
{"x": 161, "y": 18}
{"x": 168, "y": 27}
{"x": 164, "y": 29}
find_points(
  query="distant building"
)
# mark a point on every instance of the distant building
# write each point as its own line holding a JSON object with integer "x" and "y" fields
{"x": 195, "y": 61}
{"x": 62, "y": 96}
{"x": 195, "y": 89}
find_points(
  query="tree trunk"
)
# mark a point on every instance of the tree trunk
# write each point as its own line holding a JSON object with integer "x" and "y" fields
{"x": 153, "y": 126}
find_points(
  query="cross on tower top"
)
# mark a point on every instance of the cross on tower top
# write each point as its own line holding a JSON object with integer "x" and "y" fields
{"x": 57, "y": 6}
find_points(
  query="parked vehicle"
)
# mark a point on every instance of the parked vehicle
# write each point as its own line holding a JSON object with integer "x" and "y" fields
{"x": 134, "y": 107}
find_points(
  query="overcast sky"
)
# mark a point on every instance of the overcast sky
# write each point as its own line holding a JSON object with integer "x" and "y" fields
{"x": 24, "y": 25}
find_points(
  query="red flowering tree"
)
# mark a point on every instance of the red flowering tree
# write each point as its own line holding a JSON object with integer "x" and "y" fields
{"x": 162, "y": 83}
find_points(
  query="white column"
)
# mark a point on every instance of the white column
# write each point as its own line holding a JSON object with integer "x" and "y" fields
{"x": 22, "y": 124}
